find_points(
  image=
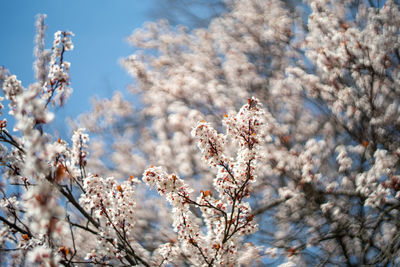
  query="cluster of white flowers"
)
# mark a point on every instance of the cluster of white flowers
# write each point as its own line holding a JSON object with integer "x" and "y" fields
{"x": 112, "y": 205}
{"x": 79, "y": 147}
{"x": 56, "y": 88}
{"x": 12, "y": 87}
{"x": 43, "y": 212}
{"x": 226, "y": 218}
{"x": 210, "y": 143}
{"x": 42, "y": 256}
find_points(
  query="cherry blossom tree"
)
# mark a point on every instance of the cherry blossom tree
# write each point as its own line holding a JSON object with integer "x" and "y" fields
{"x": 273, "y": 134}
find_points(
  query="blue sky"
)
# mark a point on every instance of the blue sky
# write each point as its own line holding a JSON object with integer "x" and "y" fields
{"x": 100, "y": 28}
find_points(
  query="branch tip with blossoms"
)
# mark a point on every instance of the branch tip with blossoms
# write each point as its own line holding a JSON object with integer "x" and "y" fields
{"x": 227, "y": 218}
{"x": 56, "y": 88}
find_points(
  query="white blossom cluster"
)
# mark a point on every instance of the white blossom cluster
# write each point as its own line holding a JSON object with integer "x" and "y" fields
{"x": 228, "y": 217}
{"x": 112, "y": 205}
{"x": 56, "y": 88}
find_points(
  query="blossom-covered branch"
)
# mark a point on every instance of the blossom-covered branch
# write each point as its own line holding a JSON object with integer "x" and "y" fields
{"x": 226, "y": 217}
